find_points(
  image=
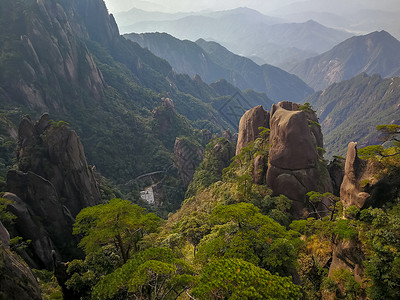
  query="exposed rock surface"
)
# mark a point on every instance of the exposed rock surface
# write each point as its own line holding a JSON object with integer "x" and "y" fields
{"x": 188, "y": 156}
{"x": 53, "y": 53}
{"x": 52, "y": 185}
{"x": 54, "y": 152}
{"x": 351, "y": 190}
{"x": 17, "y": 281}
{"x": 249, "y": 124}
{"x": 294, "y": 166}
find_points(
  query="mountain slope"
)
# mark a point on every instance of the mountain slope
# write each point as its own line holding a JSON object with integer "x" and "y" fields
{"x": 377, "y": 52}
{"x": 212, "y": 62}
{"x": 351, "y": 110}
{"x": 67, "y": 58}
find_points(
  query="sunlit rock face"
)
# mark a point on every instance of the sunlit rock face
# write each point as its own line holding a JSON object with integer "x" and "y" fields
{"x": 294, "y": 166}
{"x": 249, "y": 126}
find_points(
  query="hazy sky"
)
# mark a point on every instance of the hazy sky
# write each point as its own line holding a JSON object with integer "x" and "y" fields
{"x": 265, "y": 6}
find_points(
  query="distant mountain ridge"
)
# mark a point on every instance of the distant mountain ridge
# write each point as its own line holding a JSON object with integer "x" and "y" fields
{"x": 249, "y": 33}
{"x": 351, "y": 110}
{"x": 377, "y": 52}
{"x": 213, "y": 62}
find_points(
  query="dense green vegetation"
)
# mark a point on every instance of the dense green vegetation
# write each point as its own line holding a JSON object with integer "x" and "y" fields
{"x": 231, "y": 235}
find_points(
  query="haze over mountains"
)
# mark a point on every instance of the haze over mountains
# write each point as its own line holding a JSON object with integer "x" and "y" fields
{"x": 243, "y": 31}
{"x": 377, "y": 52}
{"x": 212, "y": 62}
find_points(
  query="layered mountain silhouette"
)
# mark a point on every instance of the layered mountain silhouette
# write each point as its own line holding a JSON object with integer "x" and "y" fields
{"x": 249, "y": 33}
{"x": 211, "y": 62}
{"x": 377, "y": 52}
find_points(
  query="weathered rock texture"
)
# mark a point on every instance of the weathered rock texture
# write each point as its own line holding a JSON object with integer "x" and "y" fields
{"x": 53, "y": 55}
{"x": 188, "y": 156}
{"x": 249, "y": 124}
{"x": 54, "y": 152}
{"x": 294, "y": 166}
{"x": 52, "y": 185}
{"x": 356, "y": 171}
{"x": 17, "y": 281}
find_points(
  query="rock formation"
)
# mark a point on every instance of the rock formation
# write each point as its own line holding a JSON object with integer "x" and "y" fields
{"x": 52, "y": 184}
{"x": 351, "y": 190}
{"x": 294, "y": 166}
{"x": 249, "y": 126}
{"x": 54, "y": 152}
{"x": 17, "y": 281}
{"x": 188, "y": 156}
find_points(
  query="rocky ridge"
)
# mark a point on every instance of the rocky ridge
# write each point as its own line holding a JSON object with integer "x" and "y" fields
{"x": 51, "y": 185}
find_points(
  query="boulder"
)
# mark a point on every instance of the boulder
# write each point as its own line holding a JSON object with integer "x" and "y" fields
{"x": 249, "y": 126}
{"x": 294, "y": 165}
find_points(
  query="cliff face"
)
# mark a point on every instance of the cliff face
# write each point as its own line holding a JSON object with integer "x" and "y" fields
{"x": 53, "y": 183}
{"x": 50, "y": 54}
{"x": 54, "y": 152}
{"x": 294, "y": 166}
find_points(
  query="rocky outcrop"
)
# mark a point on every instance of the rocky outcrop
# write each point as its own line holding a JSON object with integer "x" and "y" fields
{"x": 356, "y": 171}
{"x": 188, "y": 156}
{"x": 54, "y": 152}
{"x": 17, "y": 281}
{"x": 249, "y": 126}
{"x": 52, "y": 185}
{"x": 294, "y": 166}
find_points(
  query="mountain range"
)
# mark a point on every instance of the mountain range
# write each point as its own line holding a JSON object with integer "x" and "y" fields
{"x": 352, "y": 109}
{"x": 376, "y": 52}
{"x": 107, "y": 87}
{"x": 211, "y": 62}
{"x": 270, "y": 40}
